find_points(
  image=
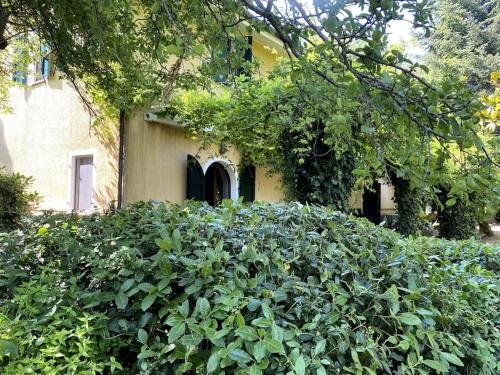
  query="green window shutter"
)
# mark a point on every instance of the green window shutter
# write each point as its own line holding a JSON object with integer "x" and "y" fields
{"x": 371, "y": 203}
{"x": 247, "y": 58}
{"x": 247, "y": 184}
{"x": 45, "y": 67}
{"x": 195, "y": 180}
{"x": 45, "y": 64}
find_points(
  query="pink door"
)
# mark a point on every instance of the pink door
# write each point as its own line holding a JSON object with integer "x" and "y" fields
{"x": 83, "y": 183}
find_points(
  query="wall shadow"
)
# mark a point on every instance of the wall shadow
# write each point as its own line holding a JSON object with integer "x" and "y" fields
{"x": 108, "y": 136}
{"x": 5, "y": 158}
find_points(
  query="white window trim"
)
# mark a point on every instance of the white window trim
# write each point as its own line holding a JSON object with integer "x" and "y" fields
{"x": 73, "y": 155}
{"x": 231, "y": 171}
{"x": 31, "y": 80}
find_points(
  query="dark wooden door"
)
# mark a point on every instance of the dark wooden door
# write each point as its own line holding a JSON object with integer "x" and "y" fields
{"x": 371, "y": 203}
{"x": 217, "y": 184}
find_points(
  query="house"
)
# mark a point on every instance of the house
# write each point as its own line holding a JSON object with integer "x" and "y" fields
{"x": 78, "y": 167}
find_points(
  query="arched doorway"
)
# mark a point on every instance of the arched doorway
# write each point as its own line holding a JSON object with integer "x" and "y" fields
{"x": 217, "y": 184}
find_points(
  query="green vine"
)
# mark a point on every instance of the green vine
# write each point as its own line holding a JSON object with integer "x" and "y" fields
{"x": 408, "y": 206}
{"x": 457, "y": 221}
{"x": 318, "y": 174}
{"x": 315, "y": 158}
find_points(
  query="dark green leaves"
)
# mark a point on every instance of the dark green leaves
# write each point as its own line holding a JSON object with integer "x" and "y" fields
{"x": 247, "y": 333}
{"x": 176, "y": 332}
{"x": 148, "y": 301}
{"x": 213, "y": 362}
{"x": 274, "y": 346}
{"x": 452, "y": 358}
{"x": 320, "y": 347}
{"x": 203, "y": 306}
{"x": 302, "y": 288}
{"x": 300, "y": 366}
{"x": 441, "y": 367}
{"x": 7, "y": 349}
{"x": 259, "y": 350}
{"x": 142, "y": 336}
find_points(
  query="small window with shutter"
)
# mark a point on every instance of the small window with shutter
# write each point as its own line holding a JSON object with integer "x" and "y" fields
{"x": 221, "y": 77}
{"x": 42, "y": 65}
{"x": 247, "y": 59}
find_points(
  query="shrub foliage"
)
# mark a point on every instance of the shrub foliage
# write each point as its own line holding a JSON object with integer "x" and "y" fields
{"x": 274, "y": 289}
{"x": 15, "y": 199}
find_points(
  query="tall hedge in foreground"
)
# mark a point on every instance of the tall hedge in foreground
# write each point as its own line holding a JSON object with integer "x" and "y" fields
{"x": 261, "y": 289}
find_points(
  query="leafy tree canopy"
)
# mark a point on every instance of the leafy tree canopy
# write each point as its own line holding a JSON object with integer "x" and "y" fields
{"x": 371, "y": 100}
{"x": 466, "y": 40}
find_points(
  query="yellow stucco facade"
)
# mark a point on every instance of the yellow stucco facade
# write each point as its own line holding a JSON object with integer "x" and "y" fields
{"x": 156, "y": 163}
{"x": 156, "y": 152}
{"x": 47, "y": 129}
{"x": 50, "y": 128}
{"x": 386, "y": 199}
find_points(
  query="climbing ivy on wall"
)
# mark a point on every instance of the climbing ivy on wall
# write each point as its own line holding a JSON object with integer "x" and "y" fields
{"x": 408, "y": 202}
{"x": 324, "y": 142}
{"x": 318, "y": 174}
{"x": 457, "y": 220}
{"x": 274, "y": 128}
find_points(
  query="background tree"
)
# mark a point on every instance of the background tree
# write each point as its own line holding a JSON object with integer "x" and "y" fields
{"x": 466, "y": 40}
{"x": 465, "y": 44}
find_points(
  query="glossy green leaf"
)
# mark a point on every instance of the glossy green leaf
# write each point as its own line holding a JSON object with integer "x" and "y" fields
{"x": 148, "y": 301}
{"x": 274, "y": 346}
{"x": 409, "y": 319}
{"x": 239, "y": 356}
{"x": 121, "y": 301}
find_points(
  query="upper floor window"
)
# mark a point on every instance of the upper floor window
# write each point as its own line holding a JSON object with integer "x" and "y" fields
{"x": 34, "y": 67}
{"x": 243, "y": 64}
{"x": 41, "y": 66}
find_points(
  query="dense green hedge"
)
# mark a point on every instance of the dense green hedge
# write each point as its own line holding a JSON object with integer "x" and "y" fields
{"x": 277, "y": 289}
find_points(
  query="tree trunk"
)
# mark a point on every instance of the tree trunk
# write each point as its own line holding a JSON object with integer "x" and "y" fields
{"x": 485, "y": 228}
{"x": 4, "y": 16}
